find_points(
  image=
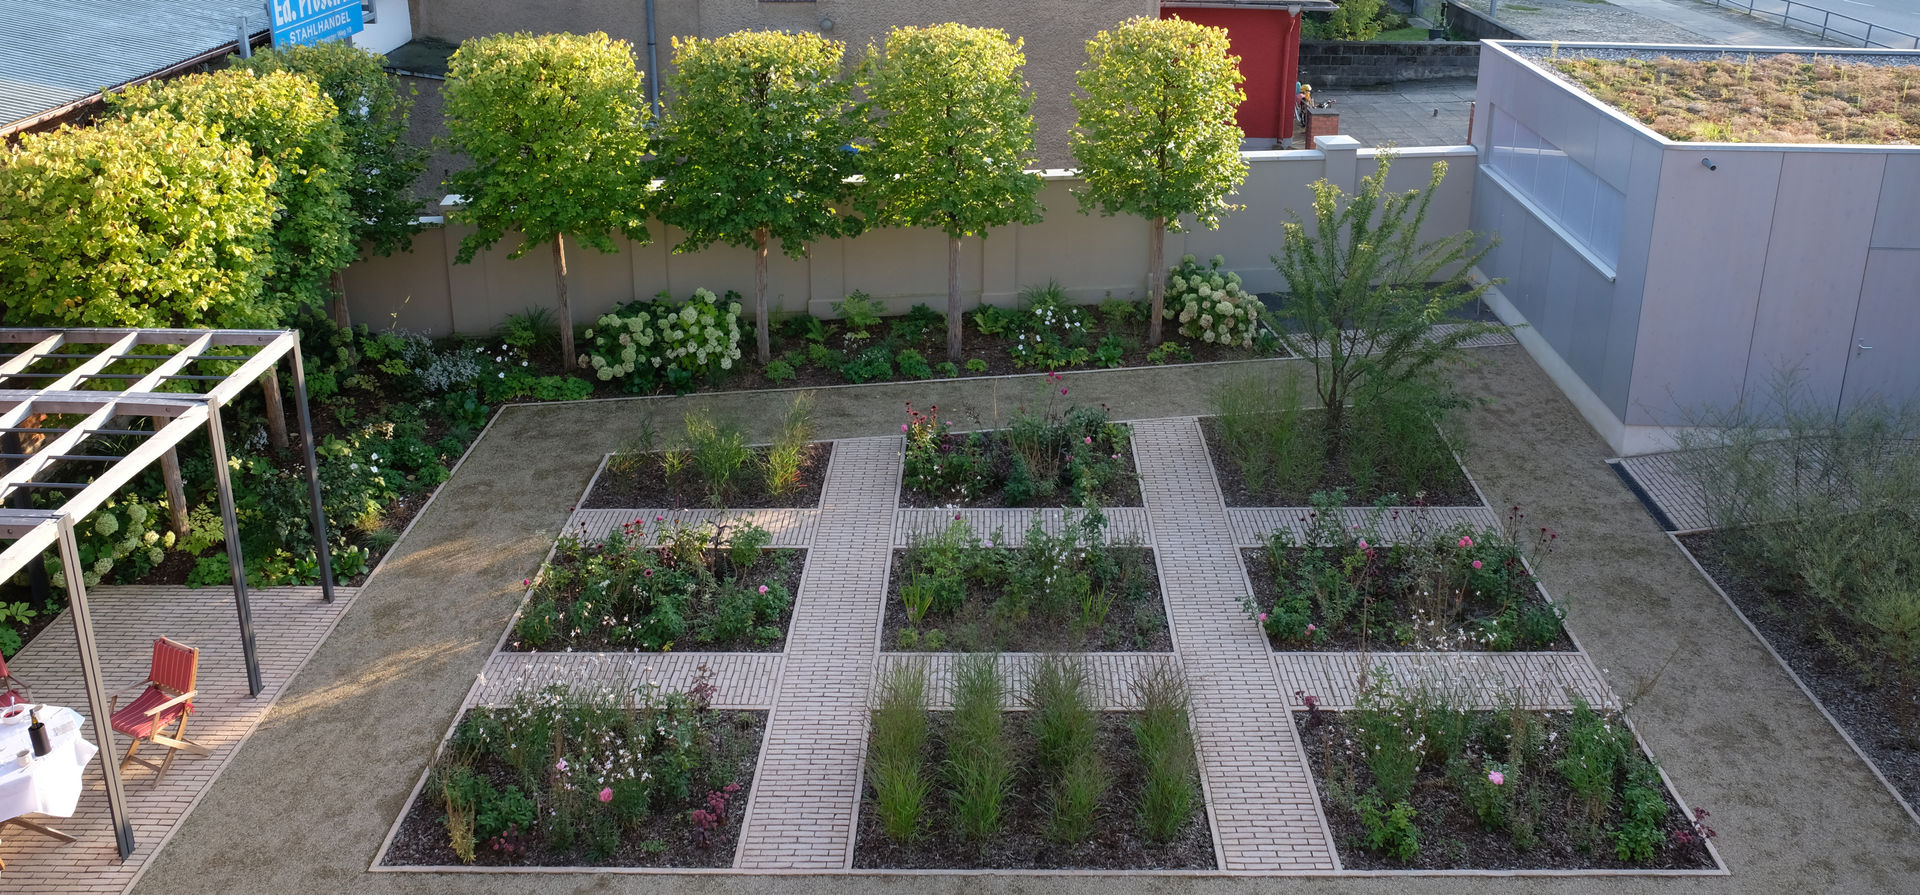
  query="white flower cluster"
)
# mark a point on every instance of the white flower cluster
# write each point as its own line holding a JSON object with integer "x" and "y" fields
{"x": 698, "y": 336}
{"x": 1210, "y": 304}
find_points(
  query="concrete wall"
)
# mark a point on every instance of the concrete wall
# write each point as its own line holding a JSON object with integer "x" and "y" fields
{"x": 1092, "y": 256}
{"x": 1781, "y": 257}
{"x": 1336, "y": 64}
{"x": 1473, "y": 23}
{"x": 1055, "y": 31}
{"x": 392, "y": 26}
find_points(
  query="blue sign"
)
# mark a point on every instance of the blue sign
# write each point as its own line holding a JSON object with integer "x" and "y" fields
{"x": 312, "y": 21}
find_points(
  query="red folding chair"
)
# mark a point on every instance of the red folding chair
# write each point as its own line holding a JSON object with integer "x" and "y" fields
{"x": 16, "y": 689}
{"x": 166, "y": 698}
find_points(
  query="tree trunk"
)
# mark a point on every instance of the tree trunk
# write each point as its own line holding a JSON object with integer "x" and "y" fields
{"x": 954, "y": 321}
{"x": 1335, "y": 417}
{"x": 341, "y": 316}
{"x": 760, "y": 325}
{"x": 1156, "y": 278}
{"x": 276, "y": 410}
{"x": 175, "y": 485}
{"x": 566, "y": 310}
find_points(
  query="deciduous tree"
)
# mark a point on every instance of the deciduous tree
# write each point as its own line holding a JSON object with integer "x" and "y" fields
{"x": 289, "y": 125}
{"x": 1156, "y": 135}
{"x": 140, "y": 220}
{"x": 1364, "y": 290}
{"x": 952, "y": 139}
{"x": 555, "y": 125}
{"x": 757, "y": 147}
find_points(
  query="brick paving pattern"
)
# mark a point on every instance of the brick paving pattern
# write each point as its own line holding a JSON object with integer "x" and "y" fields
{"x": 1111, "y": 675}
{"x": 288, "y": 623}
{"x": 1009, "y": 527}
{"x": 790, "y": 528}
{"x": 1479, "y": 680}
{"x": 801, "y": 811}
{"x": 1396, "y": 525}
{"x": 1261, "y": 799}
{"x": 742, "y": 680}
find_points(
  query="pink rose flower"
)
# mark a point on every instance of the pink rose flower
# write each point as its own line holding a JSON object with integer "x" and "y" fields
{"x": 606, "y": 794}
{"x": 763, "y": 588}
{"x": 1466, "y": 542}
{"x": 1496, "y": 778}
{"x": 1476, "y": 564}
{"x": 1263, "y": 616}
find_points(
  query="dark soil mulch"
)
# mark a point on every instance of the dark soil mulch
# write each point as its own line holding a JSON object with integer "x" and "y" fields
{"x": 1871, "y": 714}
{"x": 768, "y": 570}
{"x": 1266, "y": 587}
{"x": 1451, "y": 835}
{"x": 1023, "y": 845}
{"x": 1454, "y": 490}
{"x": 644, "y": 485}
{"x": 1138, "y": 625}
{"x": 1122, "y": 490}
{"x": 422, "y": 838}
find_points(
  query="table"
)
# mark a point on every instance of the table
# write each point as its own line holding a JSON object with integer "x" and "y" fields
{"x": 49, "y": 784}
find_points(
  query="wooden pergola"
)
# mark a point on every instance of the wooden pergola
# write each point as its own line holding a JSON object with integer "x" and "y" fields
{"x": 104, "y": 384}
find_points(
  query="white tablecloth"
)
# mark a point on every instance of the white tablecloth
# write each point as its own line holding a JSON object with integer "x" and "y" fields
{"x": 51, "y": 783}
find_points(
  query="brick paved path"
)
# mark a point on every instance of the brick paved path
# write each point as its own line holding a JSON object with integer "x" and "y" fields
{"x": 288, "y": 623}
{"x": 1259, "y": 793}
{"x": 1111, "y": 675}
{"x": 801, "y": 811}
{"x": 1252, "y": 525}
{"x": 1009, "y": 527}
{"x": 1481, "y": 680}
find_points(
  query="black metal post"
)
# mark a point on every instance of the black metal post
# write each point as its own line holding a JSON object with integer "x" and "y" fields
{"x": 96, "y": 690}
{"x": 320, "y": 548}
{"x": 236, "y": 563}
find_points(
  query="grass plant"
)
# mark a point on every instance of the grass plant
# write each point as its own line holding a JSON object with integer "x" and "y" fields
{"x": 980, "y": 759}
{"x": 788, "y": 451}
{"x": 898, "y": 753}
{"x": 718, "y": 452}
{"x": 1773, "y": 98}
{"x": 1171, "y": 790}
{"x": 1062, "y": 723}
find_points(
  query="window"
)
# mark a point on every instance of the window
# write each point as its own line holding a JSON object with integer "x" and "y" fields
{"x": 369, "y": 10}
{"x": 1580, "y": 204}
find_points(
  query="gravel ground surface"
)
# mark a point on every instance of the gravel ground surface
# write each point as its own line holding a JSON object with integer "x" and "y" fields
{"x": 1643, "y": 21}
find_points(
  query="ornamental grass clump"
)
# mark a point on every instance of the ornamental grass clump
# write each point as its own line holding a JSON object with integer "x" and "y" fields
{"x": 898, "y": 752}
{"x": 788, "y": 453}
{"x": 980, "y": 758}
{"x": 1062, "y": 724}
{"x": 1171, "y": 790}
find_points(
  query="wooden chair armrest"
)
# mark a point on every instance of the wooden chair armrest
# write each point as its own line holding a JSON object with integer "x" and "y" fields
{"x": 184, "y": 697}
{"x": 113, "y": 699}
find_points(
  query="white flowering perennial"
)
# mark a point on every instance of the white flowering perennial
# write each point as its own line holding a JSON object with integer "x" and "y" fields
{"x": 1210, "y": 304}
{"x": 645, "y": 339}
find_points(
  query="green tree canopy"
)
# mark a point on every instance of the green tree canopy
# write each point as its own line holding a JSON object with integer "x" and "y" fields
{"x": 286, "y": 122}
{"x": 757, "y": 146}
{"x": 952, "y": 139}
{"x": 142, "y": 220}
{"x": 555, "y": 125}
{"x": 1364, "y": 291}
{"x": 380, "y": 164}
{"x": 1156, "y": 135}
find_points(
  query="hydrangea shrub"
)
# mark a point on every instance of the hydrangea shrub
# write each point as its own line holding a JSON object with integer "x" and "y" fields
{"x": 1210, "y": 303}
{"x": 646, "y": 343}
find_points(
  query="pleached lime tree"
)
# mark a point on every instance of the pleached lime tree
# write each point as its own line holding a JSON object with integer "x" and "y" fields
{"x": 290, "y": 126}
{"x": 556, "y": 128}
{"x": 140, "y": 220}
{"x": 757, "y": 146}
{"x": 952, "y": 139}
{"x": 1156, "y": 135}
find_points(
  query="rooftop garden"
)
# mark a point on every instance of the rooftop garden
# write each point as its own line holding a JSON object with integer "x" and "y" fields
{"x": 1783, "y": 98}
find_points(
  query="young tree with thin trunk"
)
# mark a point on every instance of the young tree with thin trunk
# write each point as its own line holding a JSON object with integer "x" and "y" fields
{"x": 952, "y": 139}
{"x": 555, "y": 126}
{"x": 757, "y": 146}
{"x": 1364, "y": 291}
{"x": 1156, "y": 135}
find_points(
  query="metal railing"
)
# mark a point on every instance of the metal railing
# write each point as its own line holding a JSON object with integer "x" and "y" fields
{"x": 1824, "y": 22}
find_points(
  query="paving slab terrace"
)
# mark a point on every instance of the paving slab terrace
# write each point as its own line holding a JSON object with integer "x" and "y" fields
{"x": 1796, "y": 811}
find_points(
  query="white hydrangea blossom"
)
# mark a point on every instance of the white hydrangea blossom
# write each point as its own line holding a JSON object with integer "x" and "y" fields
{"x": 1211, "y": 304}
{"x": 697, "y": 336}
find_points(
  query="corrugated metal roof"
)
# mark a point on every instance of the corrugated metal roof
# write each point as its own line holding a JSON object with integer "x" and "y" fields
{"x": 53, "y": 52}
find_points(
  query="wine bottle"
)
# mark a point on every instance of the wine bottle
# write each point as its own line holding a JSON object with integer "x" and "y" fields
{"x": 37, "y": 733}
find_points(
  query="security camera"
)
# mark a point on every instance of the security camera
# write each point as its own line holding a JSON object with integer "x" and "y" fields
{"x": 1709, "y": 165}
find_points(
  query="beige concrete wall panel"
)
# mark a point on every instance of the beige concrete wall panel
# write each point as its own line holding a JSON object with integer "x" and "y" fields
{"x": 721, "y": 267}
{"x": 1089, "y": 254}
{"x": 902, "y": 267}
{"x": 405, "y": 289}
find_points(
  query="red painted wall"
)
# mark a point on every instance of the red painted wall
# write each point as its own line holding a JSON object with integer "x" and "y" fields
{"x": 1268, "y": 44}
